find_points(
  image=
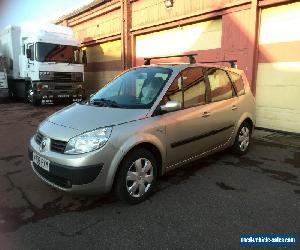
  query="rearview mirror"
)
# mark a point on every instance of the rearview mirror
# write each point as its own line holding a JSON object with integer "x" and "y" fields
{"x": 170, "y": 106}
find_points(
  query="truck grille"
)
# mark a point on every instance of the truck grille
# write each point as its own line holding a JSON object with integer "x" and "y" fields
{"x": 63, "y": 87}
{"x": 55, "y": 145}
{"x": 63, "y": 76}
{"x": 68, "y": 76}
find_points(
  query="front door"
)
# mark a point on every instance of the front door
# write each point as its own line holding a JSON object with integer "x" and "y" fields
{"x": 30, "y": 60}
{"x": 187, "y": 129}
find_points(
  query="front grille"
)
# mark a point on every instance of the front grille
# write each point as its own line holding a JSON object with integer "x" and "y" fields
{"x": 57, "y": 180}
{"x": 38, "y": 138}
{"x": 58, "y": 146}
{"x": 63, "y": 76}
{"x": 55, "y": 145}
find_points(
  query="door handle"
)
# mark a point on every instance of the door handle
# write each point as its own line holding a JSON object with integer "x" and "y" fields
{"x": 205, "y": 114}
{"x": 234, "y": 107}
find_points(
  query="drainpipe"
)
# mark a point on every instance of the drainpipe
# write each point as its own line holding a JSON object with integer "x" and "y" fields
{"x": 126, "y": 35}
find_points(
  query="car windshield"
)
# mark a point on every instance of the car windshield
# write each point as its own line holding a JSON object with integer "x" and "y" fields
{"x": 48, "y": 52}
{"x": 135, "y": 89}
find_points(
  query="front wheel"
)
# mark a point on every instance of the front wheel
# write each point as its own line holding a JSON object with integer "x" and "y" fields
{"x": 243, "y": 139}
{"x": 137, "y": 176}
{"x": 36, "y": 101}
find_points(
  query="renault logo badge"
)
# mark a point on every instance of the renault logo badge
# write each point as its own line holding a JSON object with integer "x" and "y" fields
{"x": 43, "y": 144}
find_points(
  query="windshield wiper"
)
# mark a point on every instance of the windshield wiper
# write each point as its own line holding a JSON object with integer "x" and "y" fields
{"x": 102, "y": 102}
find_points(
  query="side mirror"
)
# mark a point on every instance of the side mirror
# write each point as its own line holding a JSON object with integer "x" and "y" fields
{"x": 170, "y": 106}
{"x": 84, "y": 58}
{"x": 28, "y": 53}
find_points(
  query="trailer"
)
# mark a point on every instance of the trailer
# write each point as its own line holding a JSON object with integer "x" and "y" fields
{"x": 43, "y": 63}
{"x": 3, "y": 77}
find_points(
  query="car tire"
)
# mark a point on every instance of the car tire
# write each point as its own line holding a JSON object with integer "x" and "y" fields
{"x": 243, "y": 139}
{"x": 137, "y": 176}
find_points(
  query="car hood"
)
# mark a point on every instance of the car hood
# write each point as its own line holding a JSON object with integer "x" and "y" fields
{"x": 88, "y": 117}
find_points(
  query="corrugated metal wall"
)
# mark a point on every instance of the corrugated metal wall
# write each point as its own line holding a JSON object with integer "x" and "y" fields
{"x": 102, "y": 26}
{"x": 150, "y": 12}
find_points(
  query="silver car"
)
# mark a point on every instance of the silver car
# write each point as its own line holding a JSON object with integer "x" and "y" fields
{"x": 144, "y": 123}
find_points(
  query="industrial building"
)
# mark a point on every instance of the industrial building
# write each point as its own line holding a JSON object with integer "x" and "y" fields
{"x": 262, "y": 35}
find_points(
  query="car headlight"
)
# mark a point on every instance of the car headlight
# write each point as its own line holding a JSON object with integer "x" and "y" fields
{"x": 89, "y": 141}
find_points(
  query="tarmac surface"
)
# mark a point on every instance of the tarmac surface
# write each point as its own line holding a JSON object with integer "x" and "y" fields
{"x": 205, "y": 205}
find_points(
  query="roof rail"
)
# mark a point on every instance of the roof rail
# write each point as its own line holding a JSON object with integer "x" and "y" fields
{"x": 147, "y": 60}
{"x": 233, "y": 63}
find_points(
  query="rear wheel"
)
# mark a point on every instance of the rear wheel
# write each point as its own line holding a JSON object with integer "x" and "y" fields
{"x": 243, "y": 139}
{"x": 137, "y": 176}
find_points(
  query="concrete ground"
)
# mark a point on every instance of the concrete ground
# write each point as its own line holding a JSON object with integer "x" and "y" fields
{"x": 206, "y": 205}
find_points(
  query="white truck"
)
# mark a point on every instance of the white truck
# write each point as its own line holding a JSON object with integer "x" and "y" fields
{"x": 43, "y": 63}
{"x": 3, "y": 77}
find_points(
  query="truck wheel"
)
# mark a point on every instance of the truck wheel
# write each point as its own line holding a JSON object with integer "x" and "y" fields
{"x": 28, "y": 96}
{"x": 10, "y": 93}
{"x": 242, "y": 140}
{"x": 137, "y": 176}
{"x": 36, "y": 101}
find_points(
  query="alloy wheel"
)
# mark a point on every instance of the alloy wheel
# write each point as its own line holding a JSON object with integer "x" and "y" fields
{"x": 244, "y": 138}
{"x": 139, "y": 177}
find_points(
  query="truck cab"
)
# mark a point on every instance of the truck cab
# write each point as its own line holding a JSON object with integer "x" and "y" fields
{"x": 45, "y": 64}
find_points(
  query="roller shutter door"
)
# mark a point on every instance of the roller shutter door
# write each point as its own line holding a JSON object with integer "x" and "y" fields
{"x": 278, "y": 75}
{"x": 196, "y": 37}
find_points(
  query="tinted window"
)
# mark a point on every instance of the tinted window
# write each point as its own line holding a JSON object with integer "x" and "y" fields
{"x": 237, "y": 82}
{"x": 193, "y": 87}
{"x": 220, "y": 85}
{"x": 174, "y": 93}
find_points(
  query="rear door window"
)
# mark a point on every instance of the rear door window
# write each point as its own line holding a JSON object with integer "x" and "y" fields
{"x": 237, "y": 81}
{"x": 220, "y": 84}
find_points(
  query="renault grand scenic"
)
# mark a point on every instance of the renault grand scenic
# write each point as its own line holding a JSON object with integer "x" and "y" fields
{"x": 144, "y": 123}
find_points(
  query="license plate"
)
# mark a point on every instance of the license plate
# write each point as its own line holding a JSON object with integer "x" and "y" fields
{"x": 41, "y": 161}
{"x": 63, "y": 96}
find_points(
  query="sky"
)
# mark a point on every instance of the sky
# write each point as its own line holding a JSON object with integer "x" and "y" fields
{"x": 15, "y": 12}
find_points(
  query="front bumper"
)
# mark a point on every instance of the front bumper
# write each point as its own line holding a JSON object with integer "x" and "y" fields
{"x": 4, "y": 92}
{"x": 66, "y": 176}
{"x": 58, "y": 91}
{"x": 86, "y": 173}
{"x": 49, "y": 96}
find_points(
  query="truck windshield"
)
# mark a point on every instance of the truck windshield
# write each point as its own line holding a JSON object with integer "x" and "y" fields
{"x": 135, "y": 89}
{"x": 48, "y": 52}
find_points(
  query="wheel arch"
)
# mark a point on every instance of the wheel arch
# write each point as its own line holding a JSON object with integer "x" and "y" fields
{"x": 246, "y": 117}
{"x": 155, "y": 147}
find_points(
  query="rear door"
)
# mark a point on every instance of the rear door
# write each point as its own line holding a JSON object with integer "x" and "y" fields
{"x": 223, "y": 107}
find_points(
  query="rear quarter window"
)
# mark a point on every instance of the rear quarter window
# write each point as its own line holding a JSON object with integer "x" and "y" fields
{"x": 238, "y": 83}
